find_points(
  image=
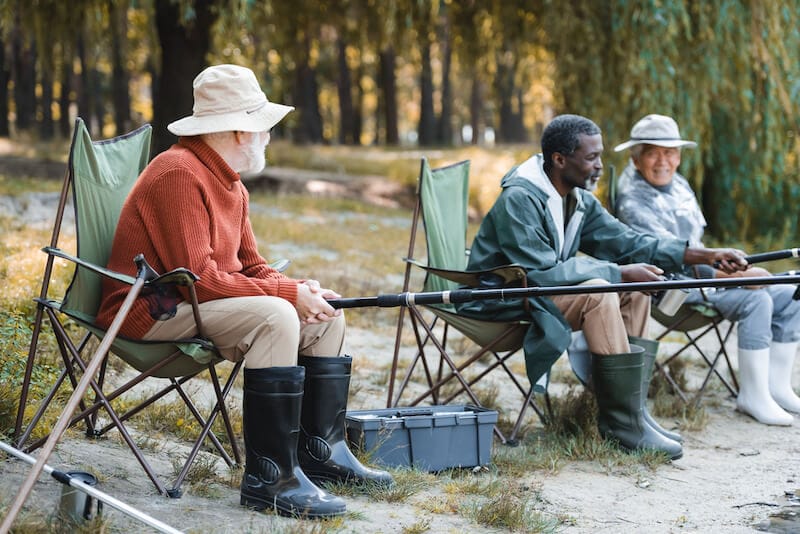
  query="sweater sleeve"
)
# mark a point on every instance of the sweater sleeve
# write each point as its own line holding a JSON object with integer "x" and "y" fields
{"x": 181, "y": 234}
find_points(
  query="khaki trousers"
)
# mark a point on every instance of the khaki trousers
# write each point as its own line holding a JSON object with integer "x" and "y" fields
{"x": 607, "y": 319}
{"x": 264, "y": 331}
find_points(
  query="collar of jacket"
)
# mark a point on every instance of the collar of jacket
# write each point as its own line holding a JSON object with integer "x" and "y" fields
{"x": 511, "y": 179}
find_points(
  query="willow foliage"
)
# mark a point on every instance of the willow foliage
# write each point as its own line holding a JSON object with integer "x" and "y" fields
{"x": 727, "y": 70}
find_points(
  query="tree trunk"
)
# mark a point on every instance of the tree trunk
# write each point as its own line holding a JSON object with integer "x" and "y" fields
{"x": 98, "y": 94}
{"x": 444, "y": 133}
{"x": 64, "y": 122}
{"x": 476, "y": 111}
{"x": 358, "y": 114}
{"x": 183, "y": 56}
{"x": 24, "y": 80}
{"x": 85, "y": 100}
{"x": 307, "y": 130}
{"x": 5, "y": 76}
{"x": 47, "y": 128}
{"x": 120, "y": 80}
{"x": 520, "y": 134}
{"x": 427, "y": 120}
{"x": 388, "y": 82}
{"x": 511, "y": 128}
{"x": 345, "y": 89}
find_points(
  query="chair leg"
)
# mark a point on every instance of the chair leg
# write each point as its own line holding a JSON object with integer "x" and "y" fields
{"x": 219, "y": 408}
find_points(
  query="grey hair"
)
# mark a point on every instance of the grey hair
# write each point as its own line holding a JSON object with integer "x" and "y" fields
{"x": 562, "y": 136}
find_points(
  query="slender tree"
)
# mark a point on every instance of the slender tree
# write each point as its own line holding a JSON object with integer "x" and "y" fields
{"x": 24, "y": 75}
{"x": 120, "y": 77}
{"x": 184, "y": 35}
{"x": 5, "y": 77}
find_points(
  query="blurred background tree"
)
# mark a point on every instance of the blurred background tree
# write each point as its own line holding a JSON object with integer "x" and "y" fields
{"x": 437, "y": 73}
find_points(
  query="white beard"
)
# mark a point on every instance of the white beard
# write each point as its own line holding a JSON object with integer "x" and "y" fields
{"x": 255, "y": 158}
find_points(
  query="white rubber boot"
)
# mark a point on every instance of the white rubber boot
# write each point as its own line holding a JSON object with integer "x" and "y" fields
{"x": 754, "y": 398}
{"x": 781, "y": 361}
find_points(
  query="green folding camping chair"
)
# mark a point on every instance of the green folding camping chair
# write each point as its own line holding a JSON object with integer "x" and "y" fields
{"x": 99, "y": 176}
{"x": 442, "y": 202}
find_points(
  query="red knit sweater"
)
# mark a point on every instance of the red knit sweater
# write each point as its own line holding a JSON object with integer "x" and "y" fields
{"x": 189, "y": 209}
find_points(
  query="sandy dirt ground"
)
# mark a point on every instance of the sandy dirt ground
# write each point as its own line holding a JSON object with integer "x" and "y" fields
{"x": 734, "y": 475}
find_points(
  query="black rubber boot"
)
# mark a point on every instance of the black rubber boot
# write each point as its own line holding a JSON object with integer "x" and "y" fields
{"x": 323, "y": 452}
{"x": 271, "y": 420}
{"x": 650, "y": 351}
{"x": 618, "y": 389}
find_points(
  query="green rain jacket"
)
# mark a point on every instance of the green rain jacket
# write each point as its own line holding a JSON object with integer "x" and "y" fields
{"x": 520, "y": 229}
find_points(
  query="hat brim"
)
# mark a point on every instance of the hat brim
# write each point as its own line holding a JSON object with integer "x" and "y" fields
{"x": 669, "y": 143}
{"x": 259, "y": 120}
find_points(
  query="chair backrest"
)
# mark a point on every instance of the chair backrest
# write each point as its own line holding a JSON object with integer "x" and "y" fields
{"x": 444, "y": 194}
{"x": 612, "y": 190}
{"x": 102, "y": 174}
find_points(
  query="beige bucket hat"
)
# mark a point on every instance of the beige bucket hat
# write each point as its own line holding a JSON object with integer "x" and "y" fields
{"x": 658, "y": 130}
{"x": 228, "y": 98}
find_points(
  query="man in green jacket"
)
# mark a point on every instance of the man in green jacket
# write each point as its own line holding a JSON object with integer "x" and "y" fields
{"x": 546, "y": 214}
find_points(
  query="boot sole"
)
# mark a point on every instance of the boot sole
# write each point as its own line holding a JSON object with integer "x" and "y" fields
{"x": 258, "y": 504}
{"x": 633, "y": 449}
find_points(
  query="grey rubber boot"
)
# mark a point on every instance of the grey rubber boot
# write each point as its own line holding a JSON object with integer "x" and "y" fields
{"x": 618, "y": 388}
{"x": 650, "y": 351}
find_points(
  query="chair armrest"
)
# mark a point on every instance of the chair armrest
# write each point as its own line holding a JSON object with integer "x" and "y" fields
{"x": 180, "y": 276}
{"x": 502, "y": 276}
{"x": 124, "y": 278}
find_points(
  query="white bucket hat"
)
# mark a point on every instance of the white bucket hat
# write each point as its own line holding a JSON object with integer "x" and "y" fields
{"x": 228, "y": 98}
{"x": 657, "y": 130}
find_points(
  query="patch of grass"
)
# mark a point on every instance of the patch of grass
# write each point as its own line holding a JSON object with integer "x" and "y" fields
{"x": 17, "y": 185}
{"x": 571, "y": 435}
{"x": 202, "y": 470}
{"x": 407, "y": 483}
{"x": 666, "y": 404}
{"x": 422, "y": 525}
{"x": 320, "y": 526}
{"x": 469, "y": 484}
{"x": 511, "y": 511}
{"x": 440, "y": 504}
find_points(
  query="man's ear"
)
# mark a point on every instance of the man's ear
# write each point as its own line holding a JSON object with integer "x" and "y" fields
{"x": 240, "y": 137}
{"x": 558, "y": 159}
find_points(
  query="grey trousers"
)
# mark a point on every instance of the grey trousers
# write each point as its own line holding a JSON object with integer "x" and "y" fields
{"x": 762, "y": 315}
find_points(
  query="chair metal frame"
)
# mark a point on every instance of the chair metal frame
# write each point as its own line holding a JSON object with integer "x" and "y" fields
{"x": 175, "y": 365}
{"x": 440, "y": 367}
{"x": 694, "y": 322}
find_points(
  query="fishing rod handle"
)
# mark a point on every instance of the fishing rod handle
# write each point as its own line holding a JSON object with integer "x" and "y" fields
{"x": 769, "y": 256}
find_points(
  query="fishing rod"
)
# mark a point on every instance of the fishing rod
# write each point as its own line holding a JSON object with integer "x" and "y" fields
{"x": 455, "y": 296}
{"x": 67, "y": 479}
{"x": 770, "y": 256}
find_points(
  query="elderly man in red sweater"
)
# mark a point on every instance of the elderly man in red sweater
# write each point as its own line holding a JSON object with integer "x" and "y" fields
{"x": 189, "y": 209}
